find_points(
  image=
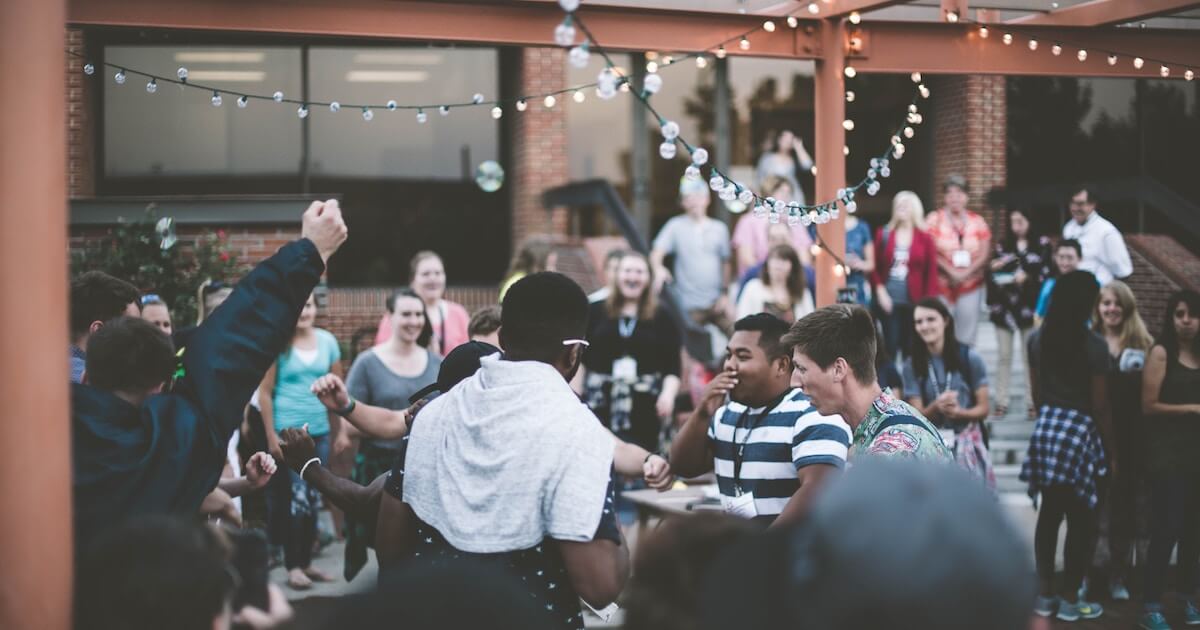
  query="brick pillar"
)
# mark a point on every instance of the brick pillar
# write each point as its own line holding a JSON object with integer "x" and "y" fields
{"x": 81, "y": 138}
{"x": 539, "y": 145}
{"x": 970, "y": 132}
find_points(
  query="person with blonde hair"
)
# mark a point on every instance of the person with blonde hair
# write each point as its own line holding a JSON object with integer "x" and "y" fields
{"x": 905, "y": 270}
{"x": 536, "y": 254}
{"x": 1116, "y": 318}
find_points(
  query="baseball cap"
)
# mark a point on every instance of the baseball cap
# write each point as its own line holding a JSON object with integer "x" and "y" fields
{"x": 903, "y": 545}
{"x": 458, "y": 366}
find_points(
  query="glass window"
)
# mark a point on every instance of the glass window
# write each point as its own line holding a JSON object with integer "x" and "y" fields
{"x": 178, "y": 132}
{"x": 395, "y": 144}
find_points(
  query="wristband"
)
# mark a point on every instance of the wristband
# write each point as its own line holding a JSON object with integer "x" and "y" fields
{"x": 348, "y": 409}
{"x": 315, "y": 460}
{"x": 648, "y": 456}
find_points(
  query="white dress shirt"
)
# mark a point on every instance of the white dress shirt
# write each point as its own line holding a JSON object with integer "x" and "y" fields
{"x": 1104, "y": 252}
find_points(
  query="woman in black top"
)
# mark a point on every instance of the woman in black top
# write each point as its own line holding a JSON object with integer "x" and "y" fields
{"x": 1068, "y": 368}
{"x": 632, "y": 366}
{"x": 1020, "y": 263}
{"x": 1171, "y": 403}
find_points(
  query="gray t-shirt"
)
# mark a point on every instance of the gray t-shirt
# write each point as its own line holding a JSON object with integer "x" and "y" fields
{"x": 701, "y": 249}
{"x": 934, "y": 381}
{"x": 1072, "y": 390}
{"x": 373, "y": 383}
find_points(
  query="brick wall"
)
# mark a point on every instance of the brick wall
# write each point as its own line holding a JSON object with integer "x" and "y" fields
{"x": 1161, "y": 266}
{"x": 970, "y": 130}
{"x": 539, "y": 145}
{"x": 80, "y": 126}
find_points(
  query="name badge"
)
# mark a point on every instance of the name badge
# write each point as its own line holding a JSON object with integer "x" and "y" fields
{"x": 961, "y": 258}
{"x": 625, "y": 370}
{"x": 741, "y": 506}
{"x": 947, "y": 437}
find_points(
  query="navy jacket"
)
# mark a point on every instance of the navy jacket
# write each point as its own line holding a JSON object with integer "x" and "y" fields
{"x": 167, "y": 455}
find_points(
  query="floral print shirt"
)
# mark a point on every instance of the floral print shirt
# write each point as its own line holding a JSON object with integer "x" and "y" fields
{"x": 907, "y": 433}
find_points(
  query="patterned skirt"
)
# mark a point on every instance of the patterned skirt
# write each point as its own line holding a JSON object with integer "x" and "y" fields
{"x": 1065, "y": 450}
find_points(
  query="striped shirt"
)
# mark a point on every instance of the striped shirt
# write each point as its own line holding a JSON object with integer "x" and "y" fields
{"x": 790, "y": 436}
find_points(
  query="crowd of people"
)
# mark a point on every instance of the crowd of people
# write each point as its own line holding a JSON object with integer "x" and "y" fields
{"x": 493, "y": 452}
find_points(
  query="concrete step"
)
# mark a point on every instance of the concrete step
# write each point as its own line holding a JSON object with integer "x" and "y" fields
{"x": 1008, "y": 451}
{"x": 1008, "y": 478}
{"x": 1008, "y": 429}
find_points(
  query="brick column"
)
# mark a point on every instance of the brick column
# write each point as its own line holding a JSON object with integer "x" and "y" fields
{"x": 539, "y": 145}
{"x": 81, "y": 137}
{"x": 970, "y": 132}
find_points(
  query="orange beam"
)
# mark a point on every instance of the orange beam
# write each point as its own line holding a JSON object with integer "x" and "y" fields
{"x": 519, "y": 24}
{"x": 830, "y": 110}
{"x": 35, "y": 470}
{"x": 957, "y": 49}
{"x": 1106, "y": 12}
{"x": 846, "y": 7}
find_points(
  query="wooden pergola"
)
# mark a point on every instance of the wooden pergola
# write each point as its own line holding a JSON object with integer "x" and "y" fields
{"x": 928, "y": 36}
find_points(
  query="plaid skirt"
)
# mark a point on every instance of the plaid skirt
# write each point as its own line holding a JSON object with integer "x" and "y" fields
{"x": 1065, "y": 450}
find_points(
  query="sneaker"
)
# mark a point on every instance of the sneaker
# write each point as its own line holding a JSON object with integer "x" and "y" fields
{"x": 1118, "y": 591}
{"x": 1153, "y": 620}
{"x": 1082, "y": 593}
{"x": 1046, "y": 606}
{"x": 1068, "y": 611}
{"x": 1191, "y": 615}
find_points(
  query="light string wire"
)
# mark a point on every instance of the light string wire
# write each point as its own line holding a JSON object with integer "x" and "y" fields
{"x": 1008, "y": 37}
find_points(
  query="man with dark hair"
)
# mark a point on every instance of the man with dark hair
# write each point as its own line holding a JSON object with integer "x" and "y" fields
{"x": 833, "y": 350}
{"x": 771, "y": 449}
{"x": 165, "y": 572}
{"x": 511, "y": 467}
{"x": 485, "y": 326}
{"x": 96, "y": 297}
{"x": 1068, "y": 253}
{"x": 1104, "y": 252}
{"x": 138, "y": 452}
{"x": 131, "y": 358}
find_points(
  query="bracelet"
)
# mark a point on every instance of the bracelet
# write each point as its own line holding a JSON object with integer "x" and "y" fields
{"x": 315, "y": 460}
{"x": 348, "y": 409}
{"x": 648, "y": 456}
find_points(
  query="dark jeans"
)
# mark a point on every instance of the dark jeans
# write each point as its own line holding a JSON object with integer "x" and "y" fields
{"x": 1121, "y": 505}
{"x": 897, "y": 328}
{"x": 1059, "y": 502}
{"x": 292, "y": 507}
{"x": 1174, "y": 518}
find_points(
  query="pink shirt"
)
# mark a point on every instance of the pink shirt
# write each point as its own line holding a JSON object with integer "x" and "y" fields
{"x": 751, "y": 233}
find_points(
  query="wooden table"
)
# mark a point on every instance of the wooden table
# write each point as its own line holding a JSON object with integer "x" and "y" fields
{"x": 652, "y": 503}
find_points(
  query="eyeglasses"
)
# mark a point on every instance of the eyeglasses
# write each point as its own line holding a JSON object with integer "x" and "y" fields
{"x": 576, "y": 342}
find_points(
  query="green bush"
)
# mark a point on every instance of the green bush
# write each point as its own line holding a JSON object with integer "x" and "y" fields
{"x": 132, "y": 251}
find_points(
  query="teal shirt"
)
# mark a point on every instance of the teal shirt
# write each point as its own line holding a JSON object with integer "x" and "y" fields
{"x": 295, "y": 404}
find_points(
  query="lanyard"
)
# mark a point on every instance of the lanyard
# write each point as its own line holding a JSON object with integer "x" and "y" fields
{"x": 739, "y": 451}
{"x": 626, "y": 326}
{"x": 440, "y": 337}
{"x": 938, "y": 388}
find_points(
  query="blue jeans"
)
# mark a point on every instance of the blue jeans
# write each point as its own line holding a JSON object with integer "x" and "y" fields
{"x": 292, "y": 507}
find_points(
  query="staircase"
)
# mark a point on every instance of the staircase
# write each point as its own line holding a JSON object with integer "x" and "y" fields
{"x": 1009, "y": 436}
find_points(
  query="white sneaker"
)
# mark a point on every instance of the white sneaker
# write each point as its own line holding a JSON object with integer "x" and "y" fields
{"x": 1118, "y": 591}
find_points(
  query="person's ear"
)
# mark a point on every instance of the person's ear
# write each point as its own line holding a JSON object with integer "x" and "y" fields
{"x": 840, "y": 368}
{"x": 94, "y": 326}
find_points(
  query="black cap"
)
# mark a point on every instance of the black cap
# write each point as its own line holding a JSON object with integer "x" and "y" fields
{"x": 458, "y": 366}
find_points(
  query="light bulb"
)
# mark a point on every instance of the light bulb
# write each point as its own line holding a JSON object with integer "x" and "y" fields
{"x": 769, "y": 26}
{"x": 792, "y": 21}
{"x": 1033, "y": 44}
{"x": 744, "y": 44}
{"x": 302, "y": 111}
{"x": 367, "y": 114}
{"x": 1112, "y": 60}
{"x": 850, "y": 72}
{"x": 652, "y": 83}
{"x": 908, "y": 132}
{"x": 1007, "y": 39}
{"x": 1056, "y": 50}
{"x": 521, "y": 105}
{"x": 813, "y": 8}
{"x": 845, "y": 150}
{"x": 700, "y": 156}
{"x": 849, "y": 96}
{"x": 242, "y": 102}
{"x": 578, "y": 96}
{"x": 152, "y": 86}
{"x": 1188, "y": 75}
{"x": 335, "y": 107}
{"x": 421, "y": 117}
{"x": 848, "y": 125}
{"x": 216, "y": 99}
{"x": 952, "y": 17}
{"x": 182, "y": 74}
{"x": 119, "y": 77}
{"x": 1138, "y": 62}
{"x": 277, "y": 97}
{"x": 916, "y": 77}
{"x": 983, "y": 32}
{"x": 477, "y": 98}
{"x": 391, "y": 106}
{"x": 670, "y": 130}
{"x": 497, "y": 112}
{"x": 549, "y": 101}
{"x": 701, "y": 62}
{"x": 444, "y": 110}
{"x": 1081, "y": 55}
{"x": 1164, "y": 71}
{"x": 651, "y": 67}
{"x": 855, "y": 17}
{"x": 667, "y": 150}
{"x": 89, "y": 69}
{"x": 924, "y": 93}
